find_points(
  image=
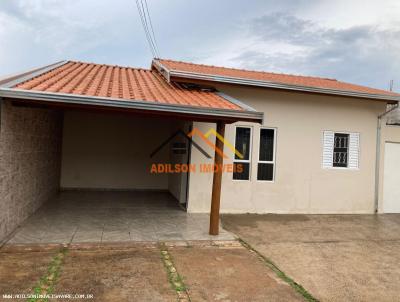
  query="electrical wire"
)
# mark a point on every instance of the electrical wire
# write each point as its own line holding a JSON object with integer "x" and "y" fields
{"x": 152, "y": 29}
{"x": 146, "y": 22}
{"x": 145, "y": 29}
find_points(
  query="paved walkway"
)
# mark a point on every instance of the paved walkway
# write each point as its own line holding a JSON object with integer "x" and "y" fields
{"x": 334, "y": 257}
{"x": 96, "y": 217}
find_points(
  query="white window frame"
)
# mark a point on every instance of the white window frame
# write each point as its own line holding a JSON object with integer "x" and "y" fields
{"x": 250, "y": 152}
{"x": 359, "y": 150}
{"x": 273, "y": 157}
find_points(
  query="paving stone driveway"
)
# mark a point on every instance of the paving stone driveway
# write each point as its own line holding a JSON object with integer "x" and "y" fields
{"x": 208, "y": 271}
{"x": 335, "y": 257}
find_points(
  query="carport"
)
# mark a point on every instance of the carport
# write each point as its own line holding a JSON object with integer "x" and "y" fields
{"x": 90, "y": 129}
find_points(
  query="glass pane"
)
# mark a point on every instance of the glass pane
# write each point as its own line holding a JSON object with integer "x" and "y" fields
{"x": 267, "y": 144}
{"x": 242, "y": 142}
{"x": 241, "y": 171}
{"x": 265, "y": 172}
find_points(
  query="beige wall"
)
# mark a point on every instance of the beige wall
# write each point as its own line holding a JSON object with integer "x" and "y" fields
{"x": 301, "y": 184}
{"x": 112, "y": 151}
{"x": 30, "y": 152}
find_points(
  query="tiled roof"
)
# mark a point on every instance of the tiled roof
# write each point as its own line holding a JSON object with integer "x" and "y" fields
{"x": 288, "y": 79}
{"x": 123, "y": 83}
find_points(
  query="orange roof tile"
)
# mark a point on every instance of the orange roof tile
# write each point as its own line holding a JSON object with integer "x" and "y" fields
{"x": 123, "y": 83}
{"x": 288, "y": 79}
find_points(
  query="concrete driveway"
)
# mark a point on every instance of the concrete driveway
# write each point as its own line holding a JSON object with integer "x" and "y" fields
{"x": 334, "y": 257}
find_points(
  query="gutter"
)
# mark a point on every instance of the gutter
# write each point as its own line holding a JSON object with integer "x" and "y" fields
{"x": 378, "y": 155}
{"x": 129, "y": 104}
{"x": 168, "y": 74}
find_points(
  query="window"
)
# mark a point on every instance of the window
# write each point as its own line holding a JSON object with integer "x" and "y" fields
{"x": 266, "y": 158}
{"x": 243, "y": 145}
{"x": 341, "y": 150}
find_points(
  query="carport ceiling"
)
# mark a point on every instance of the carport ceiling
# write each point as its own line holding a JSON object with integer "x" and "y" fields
{"x": 71, "y": 84}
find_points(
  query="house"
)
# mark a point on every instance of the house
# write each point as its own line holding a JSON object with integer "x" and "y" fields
{"x": 290, "y": 144}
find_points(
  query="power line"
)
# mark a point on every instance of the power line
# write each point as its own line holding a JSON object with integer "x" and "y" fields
{"x": 146, "y": 24}
{"x": 145, "y": 29}
{"x": 146, "y": 21}
{"x": 152, "y": 29}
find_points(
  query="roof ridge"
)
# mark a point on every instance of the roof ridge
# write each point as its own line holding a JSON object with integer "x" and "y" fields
{"x": 249, "y": 70}
{"x": 30, "y": 74}
{"x": 110, "y": 65}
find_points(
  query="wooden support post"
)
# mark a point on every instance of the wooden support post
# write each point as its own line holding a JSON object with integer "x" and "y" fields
{"x": 217, "y": 179}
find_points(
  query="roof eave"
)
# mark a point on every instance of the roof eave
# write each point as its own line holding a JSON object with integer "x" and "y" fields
{"x": 171, "y": 74}
{"x": 257, "y": 83}
{"x": 60, "y": 98}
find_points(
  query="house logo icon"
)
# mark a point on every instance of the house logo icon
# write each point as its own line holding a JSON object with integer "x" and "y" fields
{"x": 204, "y": 137}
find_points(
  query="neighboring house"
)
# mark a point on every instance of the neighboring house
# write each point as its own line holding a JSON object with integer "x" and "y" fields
{"x": 310, "y": 145}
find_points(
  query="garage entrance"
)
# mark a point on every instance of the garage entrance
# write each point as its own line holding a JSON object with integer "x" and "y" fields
{"x": 107, "y": 193}
{"x": 391, "y": 176}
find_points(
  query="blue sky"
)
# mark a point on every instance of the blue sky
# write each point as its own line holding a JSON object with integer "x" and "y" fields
{"x": 355, "y": 41}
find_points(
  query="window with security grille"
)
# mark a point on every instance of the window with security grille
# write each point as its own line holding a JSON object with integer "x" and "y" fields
{"x": 340, "y": 150}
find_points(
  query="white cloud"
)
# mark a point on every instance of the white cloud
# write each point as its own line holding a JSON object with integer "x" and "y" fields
{"x": 279, "y": 42}
{"x": 40, "y": 32}
{"x": 356, "y": 41}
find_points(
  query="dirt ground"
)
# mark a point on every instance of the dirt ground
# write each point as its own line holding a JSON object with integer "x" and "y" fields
{"x": 229, "y": 274}
{"x": 138, "y": 272}
{"x": 334, "y": 257}
{"x": 20, "y": 271}
{"x": 134, "y": 274}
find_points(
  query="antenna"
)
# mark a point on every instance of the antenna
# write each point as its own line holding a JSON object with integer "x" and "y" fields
{"x": 391, "y": 85}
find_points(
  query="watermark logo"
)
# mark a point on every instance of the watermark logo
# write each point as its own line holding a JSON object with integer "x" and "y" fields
{"x": 204, "y": 137}
{"x": 203, "y": 167}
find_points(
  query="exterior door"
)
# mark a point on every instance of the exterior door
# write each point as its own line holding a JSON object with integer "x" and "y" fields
{"x": 391, "y": 178}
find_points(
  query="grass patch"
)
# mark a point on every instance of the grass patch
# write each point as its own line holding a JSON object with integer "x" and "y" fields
{"x": 47, "y": 282}
{"x": 174, "y": 278}
{"x": 300, "y": 289}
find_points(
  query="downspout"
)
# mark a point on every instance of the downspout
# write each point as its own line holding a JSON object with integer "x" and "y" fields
{"x": 378, "y": 154}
